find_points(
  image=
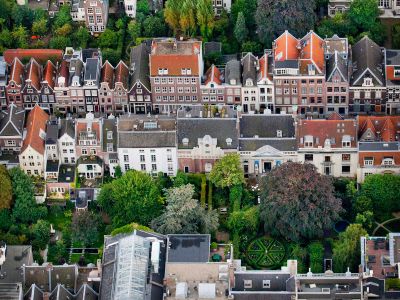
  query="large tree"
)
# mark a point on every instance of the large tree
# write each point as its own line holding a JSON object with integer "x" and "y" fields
{"x": 384, "y": 192}
{"x": 227, "y": 172}
{"x": 25, "y": 209}
{"x": 135, "y": 197}
{"x": 274, "y": 17}
{"x": 297, "y": 202}
{"x": 240, "y": 30}
{"x": 172, "y": 14}
{"x": 41, "y": 234}
{"x": 205, "y": 18}
{"x": 187, "y": 20}
{"x": 346, "y": 251}
{"x": 5, "y": 189}
{"x": 84, "y": 227}
{"x": 183, "y": 214}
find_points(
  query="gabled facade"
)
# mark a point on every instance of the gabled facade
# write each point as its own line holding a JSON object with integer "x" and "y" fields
{"x": 140, "y": 100}
{"x": 32, "y": 156}
{"x": 330, "y": 145}
{"x": 233, "y": 82}
{"x": 47, "y": 85}
{"x": 121, "y": 88}
{"x": 367, "y": 81}
{"x": 106, "y": 88}
{"x": 266, "y": 142}
{"x": 265, "y": 83}
{"x": 110, "y": 138}
{"x": 392, "y": 75}
{"x": 96, "y": 15}
{"x": 91, "y": 83}
{"x": 66, "y": 142}
{"x": 15, "y": 83}
{"x": 249, "y": 80}
{"x": 61, "y": 89}
{"x": 213, "y": 89}
{"x": 11, "y": 129}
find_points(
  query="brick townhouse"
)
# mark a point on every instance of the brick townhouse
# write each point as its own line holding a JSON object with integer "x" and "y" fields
{"x": 176, "y": 68}
{"x": 392, "y": 75}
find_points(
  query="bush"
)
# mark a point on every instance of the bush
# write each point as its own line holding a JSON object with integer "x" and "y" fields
{"x": 203, "y": 192}
{"x": 316, "y": 252}
{"x": 392, "y": 284}
{"x": 130, "y": 228}
{"x": 214, "y": 246}
{"x": 235, "y": 196}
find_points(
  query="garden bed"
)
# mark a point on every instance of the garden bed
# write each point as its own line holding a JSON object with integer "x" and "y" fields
{"x": 266, "y": 252}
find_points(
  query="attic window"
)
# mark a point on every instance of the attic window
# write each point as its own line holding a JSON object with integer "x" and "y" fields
{"x": 308, "y": 141}
{"x": 185, "y": 141}
{"x": 346, "y": 141}
{"x": 279, "y": 133}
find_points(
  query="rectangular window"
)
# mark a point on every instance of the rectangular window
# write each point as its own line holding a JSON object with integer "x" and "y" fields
{"x": 143, "y": 167}
{"x": 126, "y": 158}
{"x": 346, "y": 157}
{"x": 346, "y": 169}
{"x": 142, "y": 158}
{"x": 308, "y": 157}
{"x": 153, "y": 158}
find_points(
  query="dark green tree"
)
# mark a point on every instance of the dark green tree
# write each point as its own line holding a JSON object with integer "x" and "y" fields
{"x": 82, "y": 37}
{"x": 153, "y": 26}
{"x": 6, "y": 188}
{"x": 60, "y": 42}
{"x": 135, "y": 197}
{"x": 297, "y": 202}
{"x": 85, "y": 227}
{"x": 111, "y": 55}
{"x": 41, "y": 234}
{"x": 63, "y": 16}
{"x": 240, "y": 30}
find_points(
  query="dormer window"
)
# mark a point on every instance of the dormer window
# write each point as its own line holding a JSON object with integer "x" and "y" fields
{"x": 185, "y": 141}
{"x": 186, "y": 71}
{"x": 346, "y": 141}
{"x": 367, "y": 82}
{"x": 368, "y": 161}
{"x": 308, "y": 141}
{"x": 162, "y": 71}
{"x": 388, "y": 161}
{"x": 279, "y": 133}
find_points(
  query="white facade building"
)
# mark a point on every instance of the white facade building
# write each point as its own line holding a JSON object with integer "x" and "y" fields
{"x": 130, "y": 8}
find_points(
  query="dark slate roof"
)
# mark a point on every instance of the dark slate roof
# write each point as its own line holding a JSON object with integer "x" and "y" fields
{"x": 218, "y": 128}
{"x": 266, "y": 126}
{"x": 110, "y": 125}
{"x": 188, "y": 248}
{"x": 249, "y": 63}
{"x": 367, "y": 60}
{"x": 375, "y": 285}
{"x": 337, "y": 63}
{"x": 149, "y": 139}
{"x": 140, "y": 65}
{"x": 52, "y": 166}
{"x": 67, "y": 127}
{"x": 212, "y": 47}
{"x": 232, "y": 71}
{"x": 90, "y": 53}
{"x": 393, "y": 57}
{"x": 12, "y": 121}
{"x": 378, "y": 146}
{"x": 16, "y": 257}
{"x": 66, "y": 173}
{"x": 289, "y": 63}
{"x": 277, "y": 280}
{"x": 11, "y": 291}
{"x": 52, "y": 133}
{"x": 92, "y": 69}
{"x": 253, "y": 144}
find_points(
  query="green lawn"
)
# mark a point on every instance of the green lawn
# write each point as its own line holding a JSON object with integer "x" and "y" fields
{"x": 60, "y": 220}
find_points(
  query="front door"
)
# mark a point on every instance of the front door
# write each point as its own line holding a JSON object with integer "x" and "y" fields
{"x": 267, "y": 166}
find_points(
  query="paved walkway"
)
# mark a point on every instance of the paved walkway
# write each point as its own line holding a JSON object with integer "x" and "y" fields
{"x": 382, "y": 225}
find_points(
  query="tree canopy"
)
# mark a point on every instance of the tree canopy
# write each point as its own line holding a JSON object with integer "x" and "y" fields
{"x": 25, "y": 209}
{"x": 346, "y": 250}
{"x": 297, "y": 202}
{"x": 6, "y": 188}
{"x": 134, "y": 197}
{"x": 84, "y": 227}
{"x": 183, "y": 214}
{"x": 227, "y": 171}
{"x": 41, "y": 234}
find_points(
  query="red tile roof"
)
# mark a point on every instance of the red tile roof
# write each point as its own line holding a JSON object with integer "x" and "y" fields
{"x": 49, "y": 74}
{"x": 107, "y": 74}
{"x": 64, "y": 72}
{"x": 385, "y": 128}
{"x": 122, "y": 74}
{"x": 312, "y": 50}
{"x": 263, "y": 61}
{"x": 213, "y": 75}
{"x": 285, "y": 47}
{"x": 174, "y": 56}
{"x": 322, "y": 130}
{"x": 36, "y": 123}
{"x": 41, "y": 55}
{"x": 17, "y": 71}
{"x": 33, "y": 74}
{"x": 82, "y": 126}
{"x": 334, "y": 116}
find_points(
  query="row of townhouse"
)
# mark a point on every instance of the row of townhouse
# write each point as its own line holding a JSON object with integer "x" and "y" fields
{"x": 192, "y": 141}
{"x": 311, "y": 77}
{"x": 388, "y": 8}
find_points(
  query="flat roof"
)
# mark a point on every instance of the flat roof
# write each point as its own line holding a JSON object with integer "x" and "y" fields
{"x": 188, "y": 248}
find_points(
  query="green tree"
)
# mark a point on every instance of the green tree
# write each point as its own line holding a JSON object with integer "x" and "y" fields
{"x": 181, "y": 178}
{"x": 25, "y": 209}
{"x": 134, "y": 197}
{"x": 251, "y": 46}
{"x": 6, "y": 189}
{"x": 364, "y": 13}
{"x": 41, "y": 234}
{"x": 366, "y": 219}
{"x": 6, "y": 11}
{"x": 82, "y": 37}
{"x": 60, "y": 42}
{"x": 63, "y": 16}
{"x": 297, "y": 202}
{"x": 362, "y": 204}
{"x": 85, "y": 227}
{"x": 316, "y": 251}
{"x": 203, "y": 191}
{"x": 248, "y": 8}
{"x": 153, "y": 26}
{"x": 172, "y": 14}
{"x": 245, "y": 220}
{"x": 183, "y": 214}
{"x": 227, "y": 172}
{"x": 384, "y": 192}
{"x": 20, "y": 37}
{"x": 396, "y": 36}
{"x": 111, "y": 55}
{"x": 210, "y": 196}
{"x": 205, "y": 18}
{"x": 39, "y": 27}
{"x": 346, "y": 250}
{"x": 22, "y": 16}
{"x": 5, "y": 219}
{"x": 118, "y": 172}
{"x": 134, "y": 30}
{"x": 108, "y": 39}
{"x": 187, "y": 19}
{"x": 6, "y": 39}
{"x": 64, "y": 30}
{"x": 240, "y": 30}
{"x": 142, "y": 6}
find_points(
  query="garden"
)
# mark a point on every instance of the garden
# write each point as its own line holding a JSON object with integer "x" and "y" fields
{"x": 266, "y": 253}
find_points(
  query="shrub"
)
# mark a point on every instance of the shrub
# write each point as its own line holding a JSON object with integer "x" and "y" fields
{"x": 214, "y": 246}
{"x": 316, "y": 252}
{"x": 203, "y": 192}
